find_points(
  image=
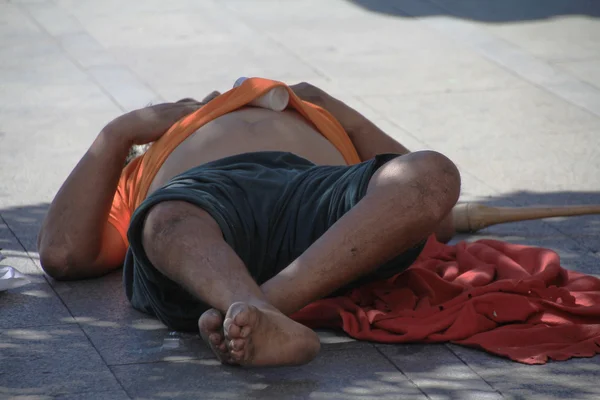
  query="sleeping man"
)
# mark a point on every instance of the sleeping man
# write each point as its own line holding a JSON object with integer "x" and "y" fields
{"x": 237, "y": 216}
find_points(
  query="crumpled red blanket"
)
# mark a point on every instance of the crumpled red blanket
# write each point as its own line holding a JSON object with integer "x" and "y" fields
{"x": 511, "y": 300}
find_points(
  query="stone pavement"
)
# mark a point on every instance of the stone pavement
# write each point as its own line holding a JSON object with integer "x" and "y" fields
{"x": 509, "y": 89}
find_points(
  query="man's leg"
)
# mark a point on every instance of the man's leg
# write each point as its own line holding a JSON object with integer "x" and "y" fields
{"x": 184, "y": 243}
{"x": 405, "y": 201}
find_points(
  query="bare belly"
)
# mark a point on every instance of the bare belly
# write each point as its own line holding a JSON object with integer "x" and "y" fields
{"x": 248, "y": 130}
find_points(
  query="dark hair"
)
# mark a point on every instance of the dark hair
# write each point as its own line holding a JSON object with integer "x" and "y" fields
{"x": 135, "y": 151}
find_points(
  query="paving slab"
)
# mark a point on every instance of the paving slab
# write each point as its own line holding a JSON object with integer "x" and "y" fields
{"x": 585, "y": 70}
{"x": 435, "y": 64}
{"x": 574, "y": 379}
{"x": 51, "y": 360}
{"x": 463, "y": 28}
{"x": 103, "y": 395}
{"x": 31, "y": 305}
{"x": 571, "y": 37}
{"x": 53, "y": 19}
{"x": 85, "y": 50}
{"x": 127, "y": 90}
{"x": 438, "y": 372}
{"x": 121, "y": 334}
{"x": 518, "y": 134}
{"x": 344, "y": 374}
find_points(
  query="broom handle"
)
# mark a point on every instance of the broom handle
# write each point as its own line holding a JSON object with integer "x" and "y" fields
{"x": 471, "y": 217}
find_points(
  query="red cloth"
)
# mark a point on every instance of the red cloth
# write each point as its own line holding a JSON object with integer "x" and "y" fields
{"x": 511, "y": 300}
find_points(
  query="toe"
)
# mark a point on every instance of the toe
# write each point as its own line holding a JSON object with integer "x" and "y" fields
{"x": 236, "y": 356}
{"x": 245, "y": 332}
{"x": 234, "y": 331}
{"x": 215, "y": 339}
{"x": 239, "y": 312}
{"x": 237, "y": 344}
{"x": 222, "y": 347}
{"x": 230, "y": 329}
{"x": 210, "y": 322}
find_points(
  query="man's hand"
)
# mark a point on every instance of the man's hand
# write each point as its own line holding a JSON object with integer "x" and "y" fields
{"x": 150, "y": 123}
{"x": 350, "y": 119}
{"x": 309, "y": 92}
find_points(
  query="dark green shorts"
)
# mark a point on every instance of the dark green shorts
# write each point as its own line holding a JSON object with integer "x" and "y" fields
{"x": 270, "y": 206}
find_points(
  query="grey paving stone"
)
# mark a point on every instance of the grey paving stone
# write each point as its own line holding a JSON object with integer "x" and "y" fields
{"x": 569, "y": 38}
{"x": 15, "y": 23}
{"x": 574, "y": 379}
{"x": 47, "y": 128}
{"x": 509, "y": 55}
{"x": 34, "y": 304}
{"x": 584, "y": 70}
{"x": 438, "y": 372}
{"x": 579, "y": 93}
{"x": 337, "y": 340}
{"x": 50, "y": 361}
{"x": 24, "y": 222}
{"x": 436, "y": 64}
{"x": 180, "y": 23}
{"x": 550, "y": 30}
{"x": 109, "y": 395}
{"x": 126, "y": 88}
{"x": 54, "y": 19}
{"x": 525, "y": 151}
{"x": 40, "y": 63}
{"x": 351, "y": 374}
{"x": 86, "y": 51}
{"x": 112, "y": 395}
{"x": 218, "y": 65}
{"x": 121, "y": 334}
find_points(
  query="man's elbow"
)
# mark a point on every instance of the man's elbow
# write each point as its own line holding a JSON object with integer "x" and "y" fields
{"x": 54, "y": 264}
{"x": 60, "y": 265}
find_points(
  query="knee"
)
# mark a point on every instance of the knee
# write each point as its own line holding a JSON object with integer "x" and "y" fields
{"x": 161, "y": 221}
{"x": 431, "y": 177}
{"x": 165, "y": 219}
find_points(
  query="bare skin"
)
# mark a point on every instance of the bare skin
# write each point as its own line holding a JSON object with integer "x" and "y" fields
{"x": 255, "y": 317}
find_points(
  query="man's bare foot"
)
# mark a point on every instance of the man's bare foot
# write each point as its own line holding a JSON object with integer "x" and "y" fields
{"x": 265, "y": 337}
{"x": 211, "y": 330}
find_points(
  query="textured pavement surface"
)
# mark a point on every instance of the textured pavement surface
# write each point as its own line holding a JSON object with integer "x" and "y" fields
{"x": 510, "y": 90}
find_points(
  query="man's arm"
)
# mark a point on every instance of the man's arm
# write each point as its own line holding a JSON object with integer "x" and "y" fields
{"x": 75, "y": 231}
{"x": 367, "y": 138}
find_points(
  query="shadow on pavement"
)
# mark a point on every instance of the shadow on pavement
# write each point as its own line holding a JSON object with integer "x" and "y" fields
{"x": 484, "y": 10}
{"x": 25, "y": 221}
{"x": 132, "y": 343}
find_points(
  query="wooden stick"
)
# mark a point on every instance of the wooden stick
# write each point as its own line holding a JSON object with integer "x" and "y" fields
{"x": 471, "y": 217}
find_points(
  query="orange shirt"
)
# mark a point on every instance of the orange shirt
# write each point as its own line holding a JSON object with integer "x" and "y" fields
{"x": 138, "y": 175}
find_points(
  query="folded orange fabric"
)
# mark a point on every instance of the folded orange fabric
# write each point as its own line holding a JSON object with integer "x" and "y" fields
{"x": 511, "y": 300}
{"x": 138, "y": 175}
